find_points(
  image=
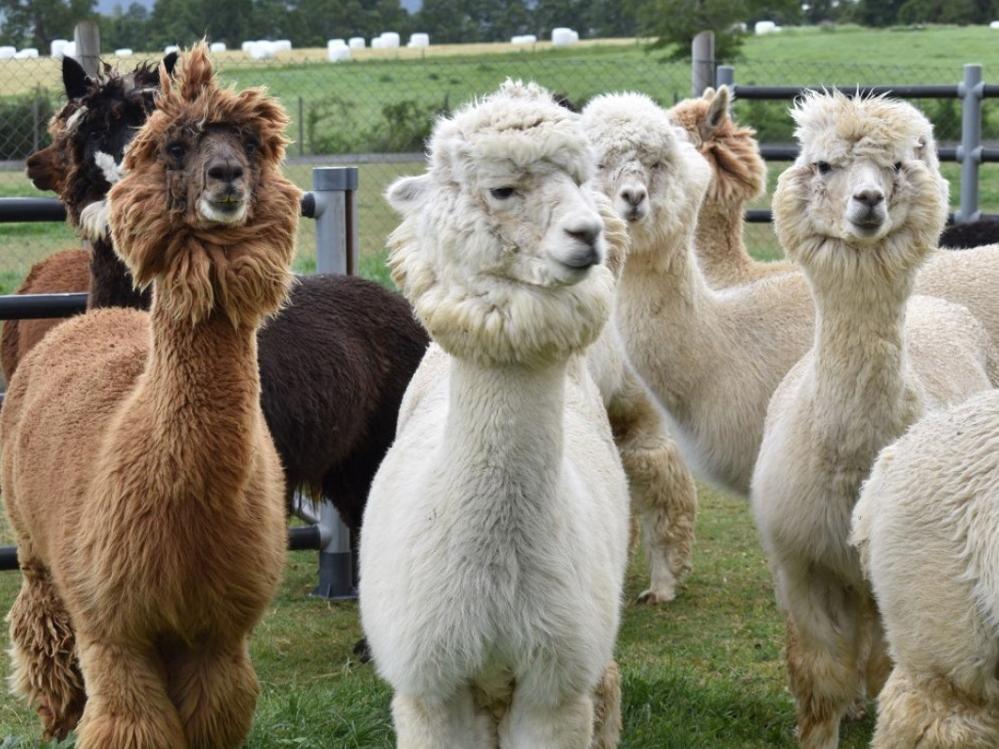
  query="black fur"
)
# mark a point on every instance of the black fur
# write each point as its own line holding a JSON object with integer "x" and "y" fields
{"x": 972, "y": 234}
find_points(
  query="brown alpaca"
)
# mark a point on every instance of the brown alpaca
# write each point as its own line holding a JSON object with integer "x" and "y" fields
{"x": 65, "y": 271}
{"x": 738, "y": 176}
{"x": 138, "y": 473}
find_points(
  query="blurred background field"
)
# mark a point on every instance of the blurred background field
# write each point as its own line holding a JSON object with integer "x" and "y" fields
{"x": 376, "y": 110}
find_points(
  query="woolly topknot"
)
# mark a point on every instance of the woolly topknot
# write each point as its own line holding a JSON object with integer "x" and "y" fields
{"x": 520, "y": 123}
{"x": 617, "y": 123}
{"x": 831, "y": 125}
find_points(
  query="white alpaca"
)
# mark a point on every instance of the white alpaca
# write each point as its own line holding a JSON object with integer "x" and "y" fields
{"x": 663, "y": 493}
{"x": 713, "y": 358}
{"x": 495, "y": 535}
{"x": 738, "y": 175}
{"x": 927, "y": 528}
{"x": 880, "y": 358}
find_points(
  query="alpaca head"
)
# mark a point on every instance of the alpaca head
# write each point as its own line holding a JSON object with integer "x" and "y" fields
{"x": 90, "y": 134}
{"x": 647, "y": 167}
{"x": 203, "y": 208}
{"x": 739, "y": 173}
{"x": 866, "y": 186}
{"x": 501, "y": 247}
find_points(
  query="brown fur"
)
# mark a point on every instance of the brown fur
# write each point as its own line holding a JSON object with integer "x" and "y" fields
{"x": 64, "y": 272}
{"x": 135, "y": 452}
{"x": 738, "y": 176}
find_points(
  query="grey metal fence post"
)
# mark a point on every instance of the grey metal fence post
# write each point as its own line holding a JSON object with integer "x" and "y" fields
{"x": 969, "y": 153}
{"x": 334, "y": 189}
{"x": 88, "y": 46}
{"x": 702, "y": 53}
{"x": 725, "y": 76}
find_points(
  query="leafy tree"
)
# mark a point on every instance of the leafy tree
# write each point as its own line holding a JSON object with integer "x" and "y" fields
{"x": 125, "y": 28}
{"x": 38, "y": 22}
{"x": 675, "y": 23}
{"x": 472, "y": 20}
{"x": 877, "y": 12}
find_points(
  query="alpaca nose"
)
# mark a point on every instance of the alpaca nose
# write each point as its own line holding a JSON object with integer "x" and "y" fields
{"x": 225, "y": 171}
{"x": 586, "y": 234}
{"x": 634, "y": 195}
{"x": 871, "y": 197}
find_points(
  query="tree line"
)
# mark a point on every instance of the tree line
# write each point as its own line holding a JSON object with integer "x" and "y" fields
{"x": 310, "y": 23}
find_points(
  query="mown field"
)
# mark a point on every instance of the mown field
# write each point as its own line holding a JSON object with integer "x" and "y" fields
{"x": 704, "y": 672}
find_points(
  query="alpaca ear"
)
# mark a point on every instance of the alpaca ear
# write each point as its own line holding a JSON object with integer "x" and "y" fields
{"x": 407, "y": 194}
{"x": 169, "y": 63}
{"x": 74, "y": 78}
{"x": 709, "y": 93}
{"x": 718, "y": 109}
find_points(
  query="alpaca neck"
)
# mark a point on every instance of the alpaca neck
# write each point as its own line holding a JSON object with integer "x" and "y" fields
{"x": 198, "y": 403}
{"x": 111, "y": 284}
{"x": 861, "y": 367}
{"x": 721, "y": 251}
{"x": 504, "y": 440}
{"x": 666, "y": 286}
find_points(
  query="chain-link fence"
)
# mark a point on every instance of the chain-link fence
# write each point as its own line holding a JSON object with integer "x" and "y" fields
{"x": 376, "y": 110}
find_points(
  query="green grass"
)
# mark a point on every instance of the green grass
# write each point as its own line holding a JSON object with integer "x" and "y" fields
{"x": 704, "y": 672}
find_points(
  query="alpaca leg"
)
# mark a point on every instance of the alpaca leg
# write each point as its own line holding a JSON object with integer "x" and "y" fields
{"x": 457, "y": 723}
{"x": 929, "y": 713}
{"x": 824, "y": 643}
{"x": 564, "y": 724}
{"x": 43, "y": 653}
{"x": 607, "y": 709}
{"x": 663, "y": 493}
{"x": 127, "y": 704}
{"x": 215, "y": 690}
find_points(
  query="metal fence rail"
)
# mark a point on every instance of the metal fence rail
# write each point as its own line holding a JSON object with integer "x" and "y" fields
{"x": 333, "y": 205}
{"x": 970, "y": 153}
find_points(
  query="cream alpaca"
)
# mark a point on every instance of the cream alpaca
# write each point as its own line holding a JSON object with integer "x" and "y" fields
{"x": 495, "y": 535}
{"x": 663, "y": 494}
{"x": 738, "y": 175}
{"x": 879, "y": 360}
{"x": 713, "y": 358}
{"x": 132, "y": 443}
{"x": 927, "y": 527}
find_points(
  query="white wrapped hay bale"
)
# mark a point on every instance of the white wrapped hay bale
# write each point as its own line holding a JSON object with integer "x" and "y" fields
{"x": 356, "y": 42}
{"x": 282, "y": 45}
{"x": 563, "y": 37}
{"x": 28, "y": 53}
{"x": 171, "y": 48}
{"x": 262, "y": 50}
{"x": 217, "y": 47}
{"x": 7, "y": 53}
{"x": 376, "y": 43}
{"x": 764, "y": 27}
{"x": 69, "y": 50}
{"x": 330, "y": 44}
{"x": 524, "y": 39}
{"x": 419, "y": 40}
{"x": 338, "y": 54}
{"x": 245, "y": 46}
{"x": 994, "y": 25}
{"x": 390, "y": 40}
{"x": 57, "y": 48}
{"x": 123, "y": 52}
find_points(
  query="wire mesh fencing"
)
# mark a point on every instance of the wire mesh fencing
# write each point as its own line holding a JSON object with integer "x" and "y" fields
{"x": 376, "y": 111}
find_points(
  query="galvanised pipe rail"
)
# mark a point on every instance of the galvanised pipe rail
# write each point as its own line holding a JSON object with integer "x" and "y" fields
{"x": 303, "y": 538}
{"x": 789, "y": 152}
{"x": 38, "y": 306}
{"x": 779, "y": 93}
{"x": 766, "y": 216}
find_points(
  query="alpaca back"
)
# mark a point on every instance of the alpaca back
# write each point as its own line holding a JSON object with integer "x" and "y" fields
{"x": 927, "y": 526}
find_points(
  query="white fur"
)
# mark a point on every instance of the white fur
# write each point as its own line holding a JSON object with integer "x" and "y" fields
{"x": 927, "y": 526}
{"x": 94, "y": 220}
{"x": 495, "y": 532}
{"x": 212, "y": 215}
{"x": 880, "y": 359}
{"x": 112, "y": 170}
{"x": 713, "y": 358}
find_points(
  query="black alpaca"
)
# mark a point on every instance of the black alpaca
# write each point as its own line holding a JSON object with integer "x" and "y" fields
{"x": 972, "y": 234}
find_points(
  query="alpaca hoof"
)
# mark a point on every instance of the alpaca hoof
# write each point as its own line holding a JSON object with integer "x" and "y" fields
{"x": 857, "y": 711}
{"x": 362, "y": 651}
{"x": 653, "y": 597}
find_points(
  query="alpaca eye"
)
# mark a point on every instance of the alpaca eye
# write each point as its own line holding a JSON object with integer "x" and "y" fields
{"x": 176, "y": 150}
{"x": 501, "y": 193}
{"x": 824, "y": 167}
{"x": 251, "y": 147}
{"x": 657, "y": 166}
{"x": 898, "y": 166}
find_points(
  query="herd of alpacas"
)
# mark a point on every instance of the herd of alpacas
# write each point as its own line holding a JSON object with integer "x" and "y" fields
{"x": 576, "y": 295}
